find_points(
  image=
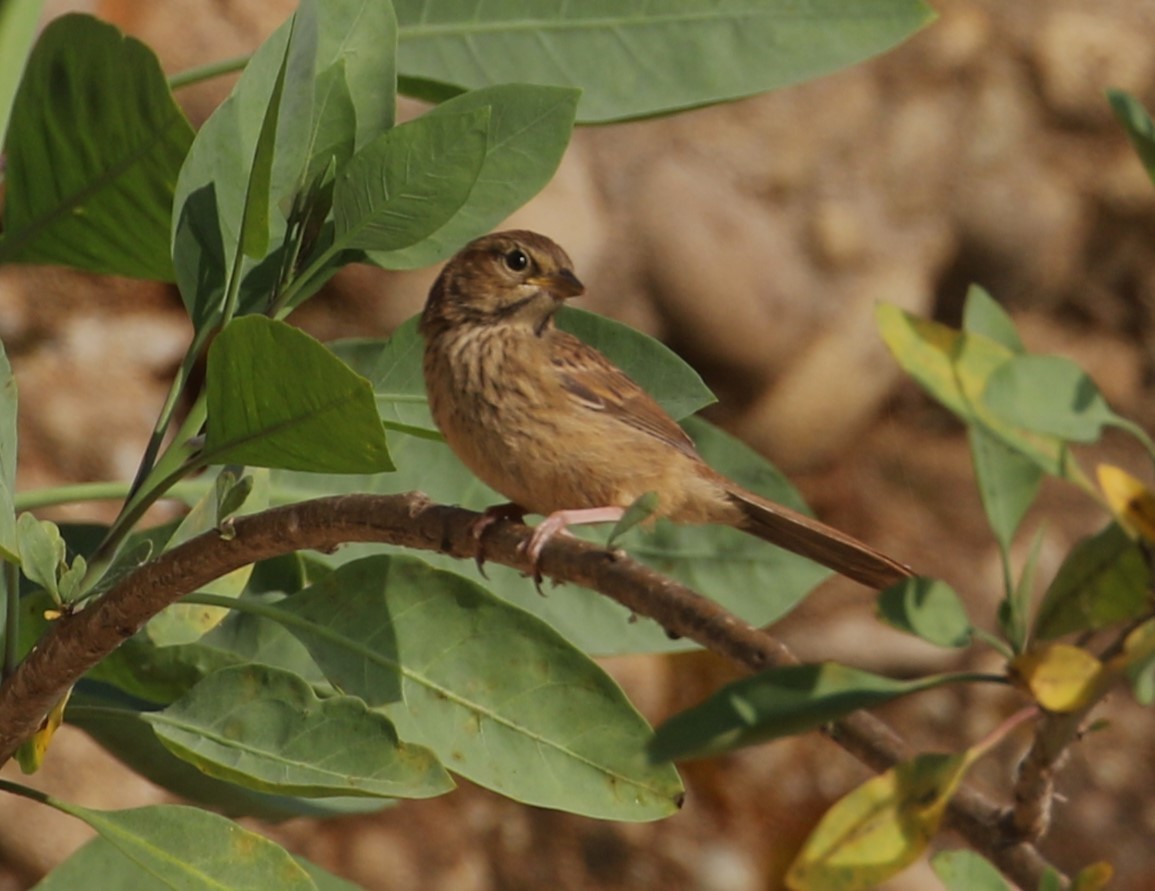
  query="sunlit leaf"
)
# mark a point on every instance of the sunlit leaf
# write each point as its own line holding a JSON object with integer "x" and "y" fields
{"x": 278, "y": 398}
{"x": 632, "y": 58}
{"x": 1061, "y": 677}
{"x": 880, "y": 828}
{"x": 1132, "y": 503}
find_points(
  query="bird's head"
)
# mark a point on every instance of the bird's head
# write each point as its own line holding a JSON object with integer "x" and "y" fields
{"x": 515, "y": 277}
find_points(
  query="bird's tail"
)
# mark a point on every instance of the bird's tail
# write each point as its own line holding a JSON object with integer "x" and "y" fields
{"x": 818, "y": 542}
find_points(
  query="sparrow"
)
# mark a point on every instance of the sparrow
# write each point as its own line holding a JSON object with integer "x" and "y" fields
{"x": 559, "y": 430}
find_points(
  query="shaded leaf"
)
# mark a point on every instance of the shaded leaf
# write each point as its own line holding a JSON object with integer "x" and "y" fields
{"x": 278, "y": 398}
{"x": 1095, "y": 877}
{"x": 93, "y": 152}
{"x": 495, "y": 693}
{"x": 779, "y": 702}
{"x": 926, "y": 608}
{"x": 528, "y": 131}
{"x": 1050, "y": 395}
{"x": 266, "y": 729}
{"x": 1138, "y": 661}
{"x": 634, "y": 59}
{"x": 1008, "y": 482}
{"x": 188, "y": 848}
{"x": 1102, "y": 581}
{"x": 880, "y": 828}
{"x": 638, "y": 512}
{"x": 1061, "y": 677}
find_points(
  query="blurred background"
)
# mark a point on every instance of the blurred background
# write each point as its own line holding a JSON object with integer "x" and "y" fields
{"x": 755, "y": 238}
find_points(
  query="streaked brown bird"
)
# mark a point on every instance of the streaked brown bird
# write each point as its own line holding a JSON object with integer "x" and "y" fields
{"x": 555, "y": 427}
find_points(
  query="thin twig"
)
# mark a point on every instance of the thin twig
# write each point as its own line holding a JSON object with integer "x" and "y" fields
{"x": 75, "y": 643}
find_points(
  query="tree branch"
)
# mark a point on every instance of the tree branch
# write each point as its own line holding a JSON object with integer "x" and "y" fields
{"x": 75, "y": 643}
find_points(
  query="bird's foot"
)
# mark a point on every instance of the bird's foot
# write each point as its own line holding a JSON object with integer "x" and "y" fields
{"x": 557, "y": 524}
{"x": 498, "y": 512}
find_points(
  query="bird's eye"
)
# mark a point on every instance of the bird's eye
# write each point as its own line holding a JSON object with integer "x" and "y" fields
{"x": 516, "y": 260}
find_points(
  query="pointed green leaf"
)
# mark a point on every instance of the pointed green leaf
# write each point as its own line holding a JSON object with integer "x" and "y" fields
{"x": 409, "y": 182}
{"x": 1103, "y": 580}
{"x": 495, "y": 693}
{"x": 633, "y": 58}
{"x": 983, "y": 315}
{"x": 1008, "y": 482}
{"x": 529, "y": 129}
{"x": 42, "y": 553}
{"x": 93, "y": 151}
{"x": 880, "y": 828}
{"x": 779, "y": 702}
{"x": 266, "y": 729}
{"x": 926, "y": 608}
{"x": 188, "y": 849}
{"x": 278, "y": 398}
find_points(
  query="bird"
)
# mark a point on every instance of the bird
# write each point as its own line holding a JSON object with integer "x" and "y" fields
{"x": 554, "y": 426}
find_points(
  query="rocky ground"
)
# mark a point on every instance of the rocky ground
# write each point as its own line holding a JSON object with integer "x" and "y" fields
{"x": 755, "y": 238}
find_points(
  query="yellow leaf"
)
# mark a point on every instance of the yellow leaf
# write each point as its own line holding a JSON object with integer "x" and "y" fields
{"x": 1132, "y": 503}
{"x": 31, "y": 753}
{"x": 1094, "y": 877}
{"x": 880, "y": 828}
{"x": 1061, "y": 677}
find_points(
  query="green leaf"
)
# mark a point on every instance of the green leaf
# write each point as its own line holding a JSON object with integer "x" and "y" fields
{"x": 18, "y": 21}
{"x": 633, "y": 58}
{"x": 1103, "y": 580}
{"x": 9, "y": 548}
{"x": 1052, "y": 396}
{"x": 190, "y": 849}
{"x": 641, "y": 510}
{"x": 1137, "y": 124}
{"x": 409, "y": 182}
{"x": 967, "y": 871}
{"x": 94, "y": 147}
{"x": 926, "y": 608}
{"x": 1014, "y": 608}
{"x": 783, "y": 701}
{"x": 880, "y": 828}
{"x": 266, "y": 729}
{"x": 42, "y": 553}
{"x": 748, "y": 576}
{"x": 122, "y": 731}
{"x": 278, "y": 398}
{"x": 983, "y": 315}
{"x": 496, "y": 694}
{"x": 529, "y": 129}
{"x": 954, "y": 367}
{"x": 1008, "y": 482}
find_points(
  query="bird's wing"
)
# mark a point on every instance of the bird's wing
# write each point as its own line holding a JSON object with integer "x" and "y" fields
{"x": 598, "y": 385}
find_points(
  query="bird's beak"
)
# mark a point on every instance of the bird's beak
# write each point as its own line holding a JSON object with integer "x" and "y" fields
{"x": 563, "y": 284}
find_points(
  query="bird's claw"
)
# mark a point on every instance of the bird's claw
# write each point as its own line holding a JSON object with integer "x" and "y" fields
{"x": 491, "y": 515}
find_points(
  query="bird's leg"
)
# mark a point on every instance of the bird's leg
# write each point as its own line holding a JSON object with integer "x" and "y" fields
{"x": 559, "y": 520}
{"x": 508, "y": 511}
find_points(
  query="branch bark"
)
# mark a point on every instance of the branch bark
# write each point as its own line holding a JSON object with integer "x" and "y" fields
{"x": 77, "y": 642}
